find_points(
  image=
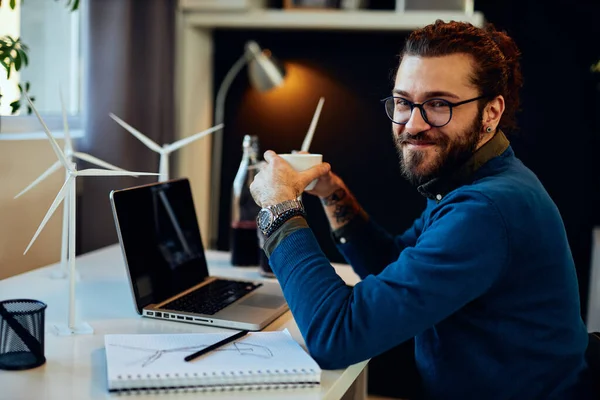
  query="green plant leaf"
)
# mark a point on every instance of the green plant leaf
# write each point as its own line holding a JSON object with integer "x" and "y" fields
{"x": 72, "y": 4}
{"x": 23, "y": 57}
{"x": 27, "y": 86}
{"x": 12, "y": 4}
{"x": 13, "y": 54}
{"x": 17, "y": 62}
{"x": 15, "y": 106}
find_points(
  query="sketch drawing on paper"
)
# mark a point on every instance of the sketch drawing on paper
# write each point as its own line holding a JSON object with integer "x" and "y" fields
{"x": 240, "y": 348}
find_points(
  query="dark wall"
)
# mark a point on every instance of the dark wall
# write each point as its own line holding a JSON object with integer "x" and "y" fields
{"x": 559, "y": 122}
{"x": 353, "y": 72}
{"x": 559, "y": 119}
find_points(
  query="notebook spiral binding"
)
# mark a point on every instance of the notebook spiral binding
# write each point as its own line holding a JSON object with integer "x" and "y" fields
{"x": 216, "y": 381}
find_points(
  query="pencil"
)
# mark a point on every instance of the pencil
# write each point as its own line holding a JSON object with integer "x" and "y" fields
{"x": 216, "y": 345}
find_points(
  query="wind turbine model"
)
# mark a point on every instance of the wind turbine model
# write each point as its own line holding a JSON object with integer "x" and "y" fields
{"x": 68, "y": 190}
{"x": 70, "y": 154}
{"x": 166, "y": 149}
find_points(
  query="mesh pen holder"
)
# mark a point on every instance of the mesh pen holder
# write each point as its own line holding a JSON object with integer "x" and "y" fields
{"x": 21, "y": 334}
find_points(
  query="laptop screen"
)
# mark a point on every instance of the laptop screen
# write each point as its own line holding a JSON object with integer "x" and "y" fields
{"x": 161, "y": 239}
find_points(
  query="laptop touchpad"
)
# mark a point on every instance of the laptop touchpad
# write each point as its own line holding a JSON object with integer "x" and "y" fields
{"x": 263, "y": 301}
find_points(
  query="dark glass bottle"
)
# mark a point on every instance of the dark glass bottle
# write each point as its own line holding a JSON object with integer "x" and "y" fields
{"x": 244, "y": 242}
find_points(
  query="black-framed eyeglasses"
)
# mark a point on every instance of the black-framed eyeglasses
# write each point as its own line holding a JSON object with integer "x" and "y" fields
{"x": 436, "y": 112}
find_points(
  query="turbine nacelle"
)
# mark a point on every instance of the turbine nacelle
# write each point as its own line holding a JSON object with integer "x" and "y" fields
{"x": 166, "y": 149}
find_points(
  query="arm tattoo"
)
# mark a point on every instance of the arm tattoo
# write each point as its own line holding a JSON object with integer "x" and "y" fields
{"x": 334, "y": 197}
{"x": 343, "y": 213}
{"x": 340, "y": 207}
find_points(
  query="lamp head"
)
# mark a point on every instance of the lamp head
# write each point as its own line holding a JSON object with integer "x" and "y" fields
{"x": 264, "y": 71}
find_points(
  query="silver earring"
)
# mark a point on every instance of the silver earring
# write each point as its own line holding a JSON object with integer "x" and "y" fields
{"x": 488, "y": 129}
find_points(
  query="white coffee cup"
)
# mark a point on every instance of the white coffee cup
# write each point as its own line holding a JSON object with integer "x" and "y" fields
{"x": 301, "y": 162}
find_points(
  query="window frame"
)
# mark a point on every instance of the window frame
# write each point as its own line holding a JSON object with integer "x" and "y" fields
{"x": 24, "y": 126}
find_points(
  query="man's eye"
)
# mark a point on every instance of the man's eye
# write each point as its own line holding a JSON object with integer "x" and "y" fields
{"x": 437, "y": 104}
{"x": 402, "y": 103}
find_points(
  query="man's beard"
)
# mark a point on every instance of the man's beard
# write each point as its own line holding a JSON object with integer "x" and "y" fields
{"x": 451, "y": 153}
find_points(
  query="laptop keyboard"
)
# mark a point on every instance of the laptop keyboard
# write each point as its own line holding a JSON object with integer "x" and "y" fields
{"x": 211, "y": 298}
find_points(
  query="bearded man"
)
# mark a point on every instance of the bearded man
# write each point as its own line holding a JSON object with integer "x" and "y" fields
{"x": 479, "y": 298}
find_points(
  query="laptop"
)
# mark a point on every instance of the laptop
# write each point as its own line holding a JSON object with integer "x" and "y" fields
{"x": 167, "y": 268}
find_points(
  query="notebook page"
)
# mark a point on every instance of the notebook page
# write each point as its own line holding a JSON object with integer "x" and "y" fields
{"x": 155, "y": 359}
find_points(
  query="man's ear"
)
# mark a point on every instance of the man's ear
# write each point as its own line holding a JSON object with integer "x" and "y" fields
{"x": 492, "y": 113}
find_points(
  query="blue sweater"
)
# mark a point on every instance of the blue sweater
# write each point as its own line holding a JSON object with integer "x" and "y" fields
{"x": 484, "y": 281}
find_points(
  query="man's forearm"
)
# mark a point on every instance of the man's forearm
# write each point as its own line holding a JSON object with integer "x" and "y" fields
{"x": 340, "y": 207}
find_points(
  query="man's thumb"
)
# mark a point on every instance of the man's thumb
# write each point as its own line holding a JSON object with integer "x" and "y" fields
{"x": 315, "y": 172}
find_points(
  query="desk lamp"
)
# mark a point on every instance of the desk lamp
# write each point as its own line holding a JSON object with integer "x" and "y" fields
{"x": 265, "y": 73}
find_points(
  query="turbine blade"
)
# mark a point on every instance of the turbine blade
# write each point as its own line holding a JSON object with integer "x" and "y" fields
{"x": 68, "y": 142}
{"x": 53, "y": 168}
{"x": 96, "y": 161}
{"x": 61, "y": 156}
{"x": 59, "y": 197}
{"x": 108, "y": 172}
{"x": 182, "y": 142}
{"x": 142, "y": 138}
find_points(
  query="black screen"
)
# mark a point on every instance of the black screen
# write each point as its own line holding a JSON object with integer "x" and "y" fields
{"x": 161, "y": 238}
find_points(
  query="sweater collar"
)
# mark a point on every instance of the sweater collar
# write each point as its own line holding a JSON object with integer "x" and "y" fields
{"x": 437, "y": 188}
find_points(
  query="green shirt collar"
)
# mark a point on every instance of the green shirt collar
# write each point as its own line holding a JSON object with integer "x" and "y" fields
{"x": 437, "y": 188}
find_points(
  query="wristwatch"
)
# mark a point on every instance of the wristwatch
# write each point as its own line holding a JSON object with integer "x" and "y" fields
{"x": 272, "y": 217}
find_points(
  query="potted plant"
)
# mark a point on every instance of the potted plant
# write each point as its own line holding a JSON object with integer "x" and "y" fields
{"x": 14, "y": 56}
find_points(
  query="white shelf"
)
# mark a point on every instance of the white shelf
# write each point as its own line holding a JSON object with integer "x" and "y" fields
{"x": 326, "y": 20}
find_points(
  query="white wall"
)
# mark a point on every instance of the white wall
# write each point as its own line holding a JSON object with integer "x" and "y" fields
{"x": 20, "y": 163}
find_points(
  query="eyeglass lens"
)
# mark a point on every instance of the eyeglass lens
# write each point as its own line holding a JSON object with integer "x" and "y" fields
{"x": 437, "y": 111}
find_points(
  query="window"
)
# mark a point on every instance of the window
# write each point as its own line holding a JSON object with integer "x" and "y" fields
{"x": 52, "y": 33}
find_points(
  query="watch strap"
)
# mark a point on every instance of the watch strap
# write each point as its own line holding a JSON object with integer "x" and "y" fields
{"x": 282, "y": 218}
{"x": 280, "y": 208}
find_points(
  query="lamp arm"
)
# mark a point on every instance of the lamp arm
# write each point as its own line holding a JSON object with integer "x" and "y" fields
{"x": 225, "y": 85}
{"x": 215, "y": 170}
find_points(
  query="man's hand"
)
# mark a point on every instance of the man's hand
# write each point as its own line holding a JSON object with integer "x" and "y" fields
{"x": 277, "y": 181}
{"x": 326, "y": 185}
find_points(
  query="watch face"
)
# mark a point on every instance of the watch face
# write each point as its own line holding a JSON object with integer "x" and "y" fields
{"x": 264, "y": 219}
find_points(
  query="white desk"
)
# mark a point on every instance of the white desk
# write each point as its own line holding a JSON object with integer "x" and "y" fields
{"x": 75, "y": 366}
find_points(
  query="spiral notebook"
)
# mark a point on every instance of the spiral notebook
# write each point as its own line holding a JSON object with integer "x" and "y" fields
{"x": 259, "y": 360}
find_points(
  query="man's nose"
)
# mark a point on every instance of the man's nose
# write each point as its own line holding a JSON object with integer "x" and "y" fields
{"x": 416, "y": 122}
